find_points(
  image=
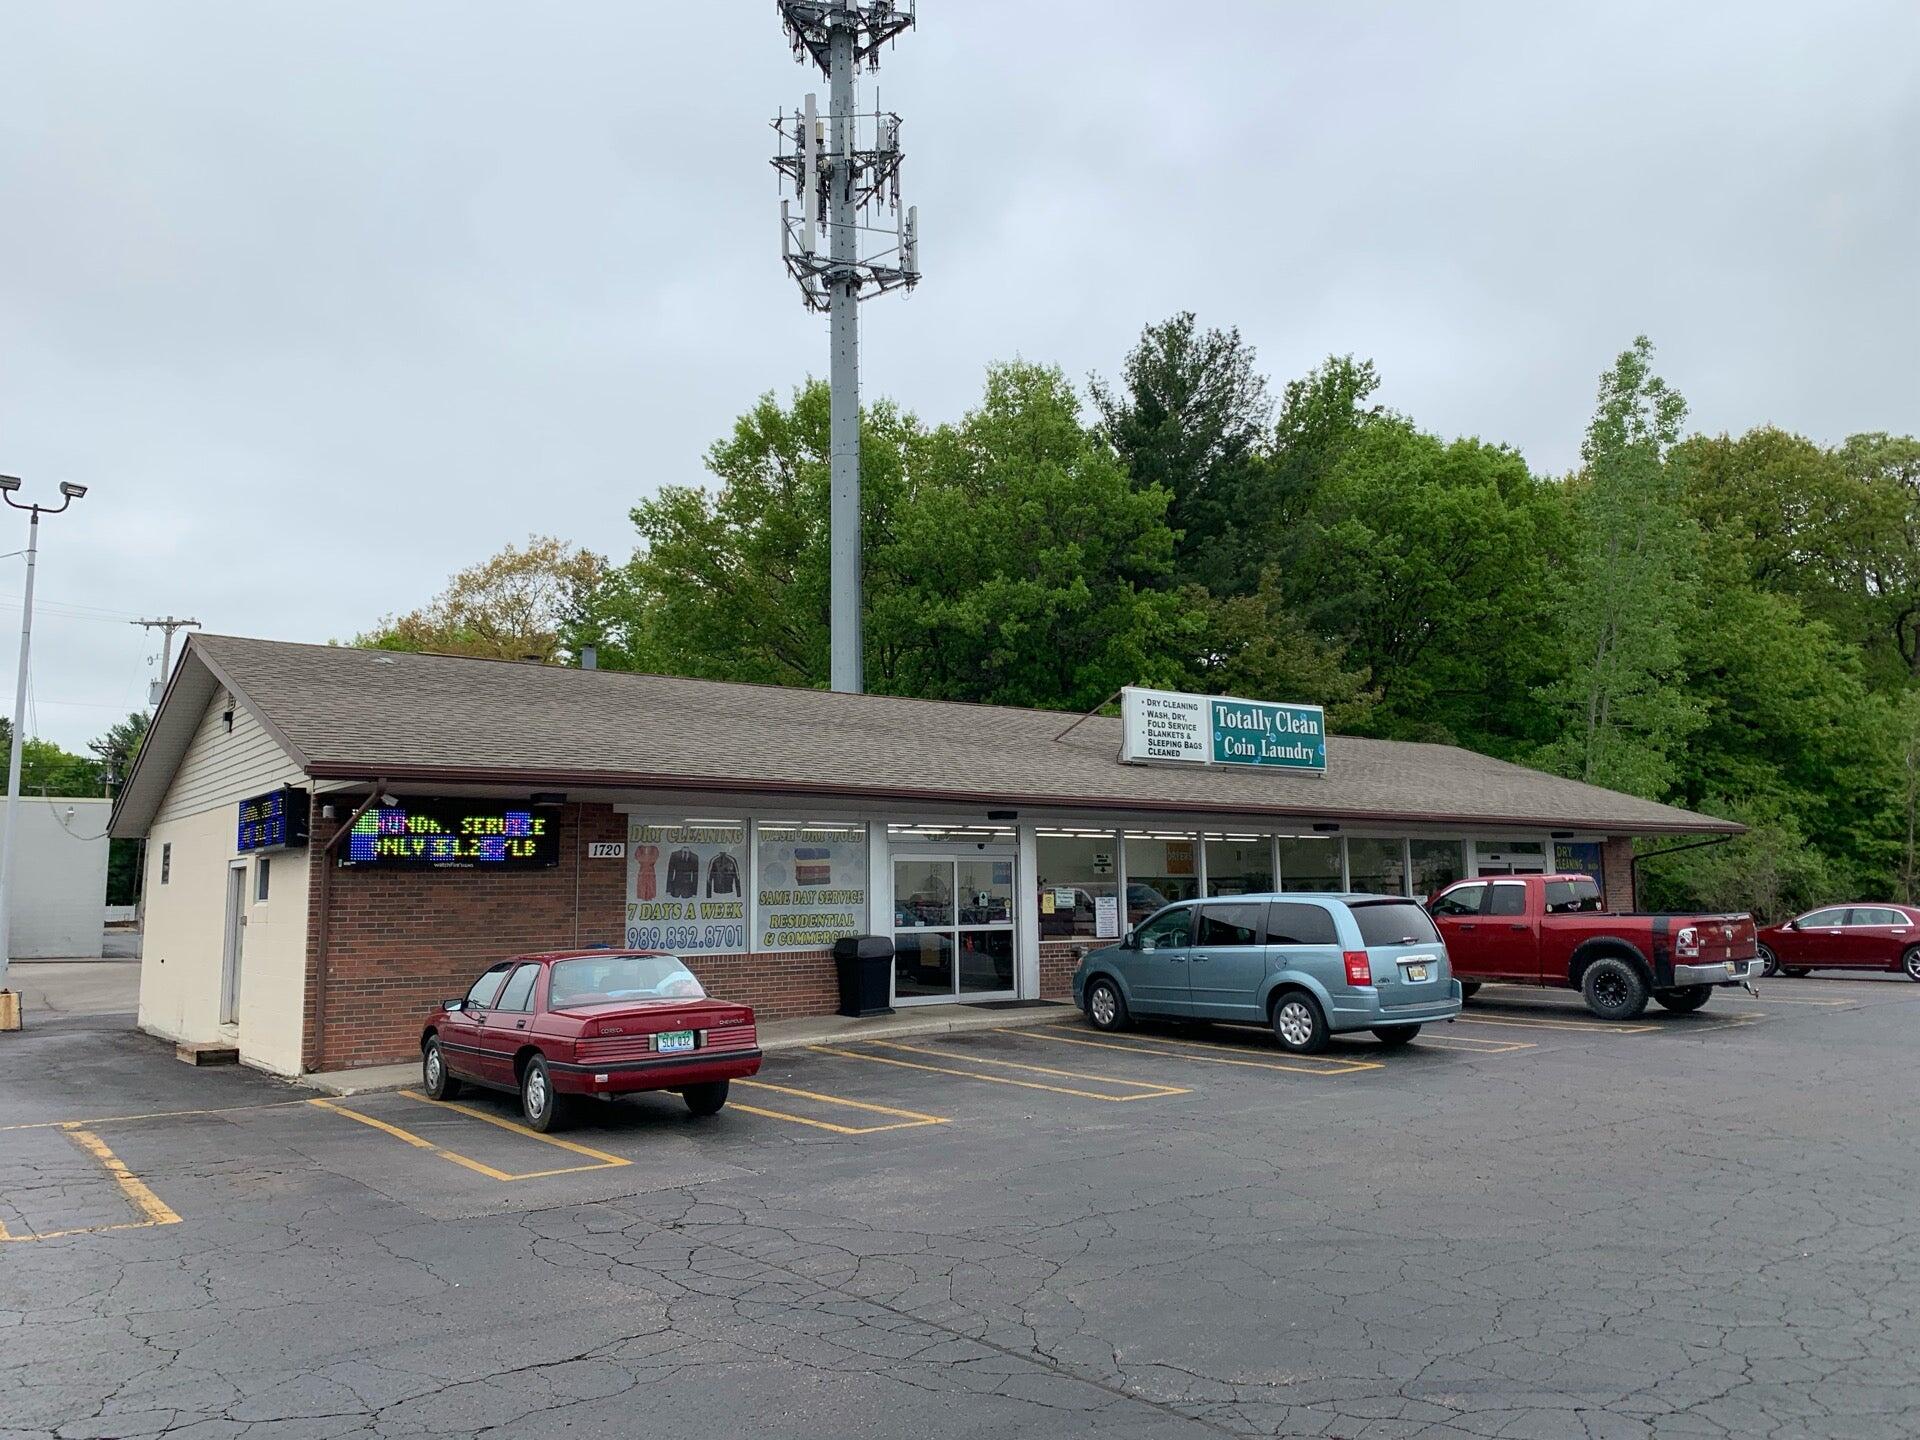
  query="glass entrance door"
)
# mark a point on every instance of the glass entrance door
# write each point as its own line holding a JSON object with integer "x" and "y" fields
{"x": 953, "y": 927}
{"x": 1509, "y": 857}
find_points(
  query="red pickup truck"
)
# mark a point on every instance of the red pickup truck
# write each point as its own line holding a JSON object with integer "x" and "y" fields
{"x": 1553, "y": 930}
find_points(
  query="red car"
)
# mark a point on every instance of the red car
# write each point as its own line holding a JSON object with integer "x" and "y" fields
{"x": 1845, "y": 937}
{"x": 589, "y": 1022}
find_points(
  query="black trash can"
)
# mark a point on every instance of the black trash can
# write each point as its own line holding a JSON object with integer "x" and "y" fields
{"x": 865, "y": 967}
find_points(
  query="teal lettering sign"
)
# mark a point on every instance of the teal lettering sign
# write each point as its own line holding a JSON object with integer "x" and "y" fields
{"x": 1278, "y": 737}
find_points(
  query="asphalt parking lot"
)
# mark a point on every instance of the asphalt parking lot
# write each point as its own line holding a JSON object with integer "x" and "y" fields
{"x": 1528, "y": 1224}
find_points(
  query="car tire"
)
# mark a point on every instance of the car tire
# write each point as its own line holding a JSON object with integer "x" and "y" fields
{"x": 1686, "y": 999}
{"x": 1613, "y": 989}
{"x": 1394, "y": 1036}
{"x": 434, "y": 1078}
{"x": 1910, "y": 962}
{"x": 1106, "y": 1007}
{"x": 1469, "y": 989}
{"x": 1799, "y": 972}
{"x": 540, "y": 1107}
{"x": 1298, "y": 1023}
{"x": 704, "y": 1100}
{"x": 1769, "y": 963}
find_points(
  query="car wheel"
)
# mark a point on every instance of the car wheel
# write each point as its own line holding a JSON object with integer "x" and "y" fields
{"x": 1910, "y": 962}
{"x": 434, "y": 1078}
{"x": 1394, "y": 1036}
{"x": 1298, "y": 1024}
{"x": 706, "y": 1099}
{"x": 543, "y": 1109}
{"x": 1769, "y": 963}
{"x": 1469, "y": 989}
{"x": 1106, "y": 1007}
{"x": 1686, "y": 999}
{"x": 1613, "y": 989}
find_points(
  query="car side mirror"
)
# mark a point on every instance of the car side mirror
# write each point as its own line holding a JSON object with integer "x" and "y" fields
{"x": 453, "y": 1005}
{"x": 1793, "y": 925}
{"x": 1130, "y": 940}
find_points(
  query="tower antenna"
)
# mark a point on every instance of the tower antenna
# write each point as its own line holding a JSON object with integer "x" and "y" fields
{"x": 839, "y": 171}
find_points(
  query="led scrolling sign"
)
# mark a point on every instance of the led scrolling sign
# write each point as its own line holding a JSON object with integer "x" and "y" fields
{"x": 452, "y": 835}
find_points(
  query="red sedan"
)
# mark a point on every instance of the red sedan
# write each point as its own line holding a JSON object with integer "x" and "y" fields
{"x": 591, "y": 1022}
{"x": 1845, "y": 937}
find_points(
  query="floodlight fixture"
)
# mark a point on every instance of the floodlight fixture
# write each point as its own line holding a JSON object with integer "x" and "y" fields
{"x": 72, "y": 491}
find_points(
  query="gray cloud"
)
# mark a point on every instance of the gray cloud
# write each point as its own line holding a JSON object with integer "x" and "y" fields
{"x": 328, "y": 301}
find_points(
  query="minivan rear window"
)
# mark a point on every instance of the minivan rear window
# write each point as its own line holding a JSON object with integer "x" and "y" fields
{"x": 1394, "y": 922}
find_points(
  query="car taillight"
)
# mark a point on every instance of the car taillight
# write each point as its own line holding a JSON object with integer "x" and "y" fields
{"x": 591, "y": 1031}
{"x": 1687, "y": 942}
{"x": 1359, "y": 970}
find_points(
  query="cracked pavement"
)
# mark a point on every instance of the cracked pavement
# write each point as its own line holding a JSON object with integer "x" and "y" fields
{"x": 1700, "y": 1231}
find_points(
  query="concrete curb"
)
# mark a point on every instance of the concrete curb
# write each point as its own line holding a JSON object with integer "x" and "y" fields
{"x": 777, "y": 1038}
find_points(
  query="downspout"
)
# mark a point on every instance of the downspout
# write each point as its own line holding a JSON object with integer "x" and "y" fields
{"x": 323, "y": 917}
{"x": 1633, "y": 867}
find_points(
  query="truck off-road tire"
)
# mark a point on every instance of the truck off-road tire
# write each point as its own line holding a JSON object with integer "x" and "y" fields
{"x": 706, "y": 1099}
{"x": 1769, "y": 963}
{"x": 434, "y": 1078}
{"x": 1613, "y": 989}
{"x": 1106, "y": 1006}
{"x": 1686, "y": 999}
{"x": 1298, "y": 1024}
{"x": 1394, "y": 1036}
{"x": 1910, "y": 962}
{"x": 1469, "y": 989}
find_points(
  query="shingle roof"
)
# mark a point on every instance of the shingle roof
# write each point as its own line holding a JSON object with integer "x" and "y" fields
{"x": 360, "y": 714}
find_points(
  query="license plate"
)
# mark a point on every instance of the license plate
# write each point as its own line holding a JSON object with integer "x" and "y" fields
{"x": 1733, "y": 969}
{"x": 1416, "y": 972}
{"x": 669, "y": 1041}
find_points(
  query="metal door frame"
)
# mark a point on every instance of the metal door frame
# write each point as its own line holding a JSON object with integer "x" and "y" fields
{"x": 233, "y": 942}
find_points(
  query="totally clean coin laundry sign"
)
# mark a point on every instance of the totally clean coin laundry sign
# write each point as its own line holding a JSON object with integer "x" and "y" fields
{"x": 1164, "y": 727}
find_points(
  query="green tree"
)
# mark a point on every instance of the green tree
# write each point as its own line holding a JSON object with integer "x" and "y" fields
{"x": 1881, "y": 562}
{"x": 1024, "y": 563}
{"x": 1773, "y": 871}
{"x": 119, "y": 746}
{"x": 1629, "y": 591}
{"x": 521, "y": 604}
{"x": 1191, "y": 417}
{"x": 46, "y": 769}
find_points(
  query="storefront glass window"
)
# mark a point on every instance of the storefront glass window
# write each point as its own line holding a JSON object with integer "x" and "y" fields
{"x": 1436, "y": 864}
{"x": 953, "y": 925}
{"x": 1239, "y": 865}
{"x": 1376, "y": 867}
{"x": 687, "y": 886}
{"x": 811, "y": 885}
{"x": 1310, "y": 863}
{"x": 1160, "y": 870}
{"x": 1078, "y": 886}
{"x": 1582, "y": 857}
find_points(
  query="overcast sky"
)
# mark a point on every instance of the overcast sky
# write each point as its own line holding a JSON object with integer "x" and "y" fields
{"x": 327, "y": 301}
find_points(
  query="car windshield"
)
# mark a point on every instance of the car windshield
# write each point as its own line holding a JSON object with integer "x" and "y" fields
{"x": 596, "y": 979}
{"x": 1393, "y": 922}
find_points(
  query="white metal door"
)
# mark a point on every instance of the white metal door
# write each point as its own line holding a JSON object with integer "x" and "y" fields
{"x": 235, "y": 944}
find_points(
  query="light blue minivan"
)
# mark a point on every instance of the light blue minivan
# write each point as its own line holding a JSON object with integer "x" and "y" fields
{"x": 1308, "y": 965}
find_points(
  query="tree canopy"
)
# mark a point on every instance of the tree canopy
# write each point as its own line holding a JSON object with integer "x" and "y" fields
{"x": 1730, "y": 623}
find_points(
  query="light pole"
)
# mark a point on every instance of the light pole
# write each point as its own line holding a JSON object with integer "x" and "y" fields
{"x": 9, "y": 484}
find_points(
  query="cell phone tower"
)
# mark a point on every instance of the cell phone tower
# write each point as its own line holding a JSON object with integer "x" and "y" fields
{"x": 840, "y": 171}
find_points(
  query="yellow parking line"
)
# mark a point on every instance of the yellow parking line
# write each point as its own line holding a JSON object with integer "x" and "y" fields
{"x": 1599, "y": 1027}
{"x": 905, "y": 1119}
{"x": 1478, "y": 1045}
{"x": 152, "y": 1209}
{"x": 603, "y": 1161}
{"x": 1149, "y": 1091}
{"x": 1331, "y": 1066}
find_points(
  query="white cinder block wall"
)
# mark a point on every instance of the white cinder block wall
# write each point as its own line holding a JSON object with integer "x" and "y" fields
{"x": 60, "y": 879}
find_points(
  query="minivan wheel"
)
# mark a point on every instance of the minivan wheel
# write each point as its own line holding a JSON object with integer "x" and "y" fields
{"x": 1910, "y": 962}
{"x": 1686, "y": 999}
{"x": 1613, "y": 989}
{"x": 1106, "y": 1008}
{"x": 1769, "y": 963}
{"x": 543, "y": 1109}
{"x": 1394, "y": 1036}
{"x": 434, "y": 1078}
{"x": 1298, "y": 1024}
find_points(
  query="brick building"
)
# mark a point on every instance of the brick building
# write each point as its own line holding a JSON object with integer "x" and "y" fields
{"x": 338, "y": 838}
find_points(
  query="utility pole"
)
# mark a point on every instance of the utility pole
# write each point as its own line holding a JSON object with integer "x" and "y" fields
{"x": 836, "y": 178}
{"x": 166, "y": 626}
{"x": 9, "y": 484}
